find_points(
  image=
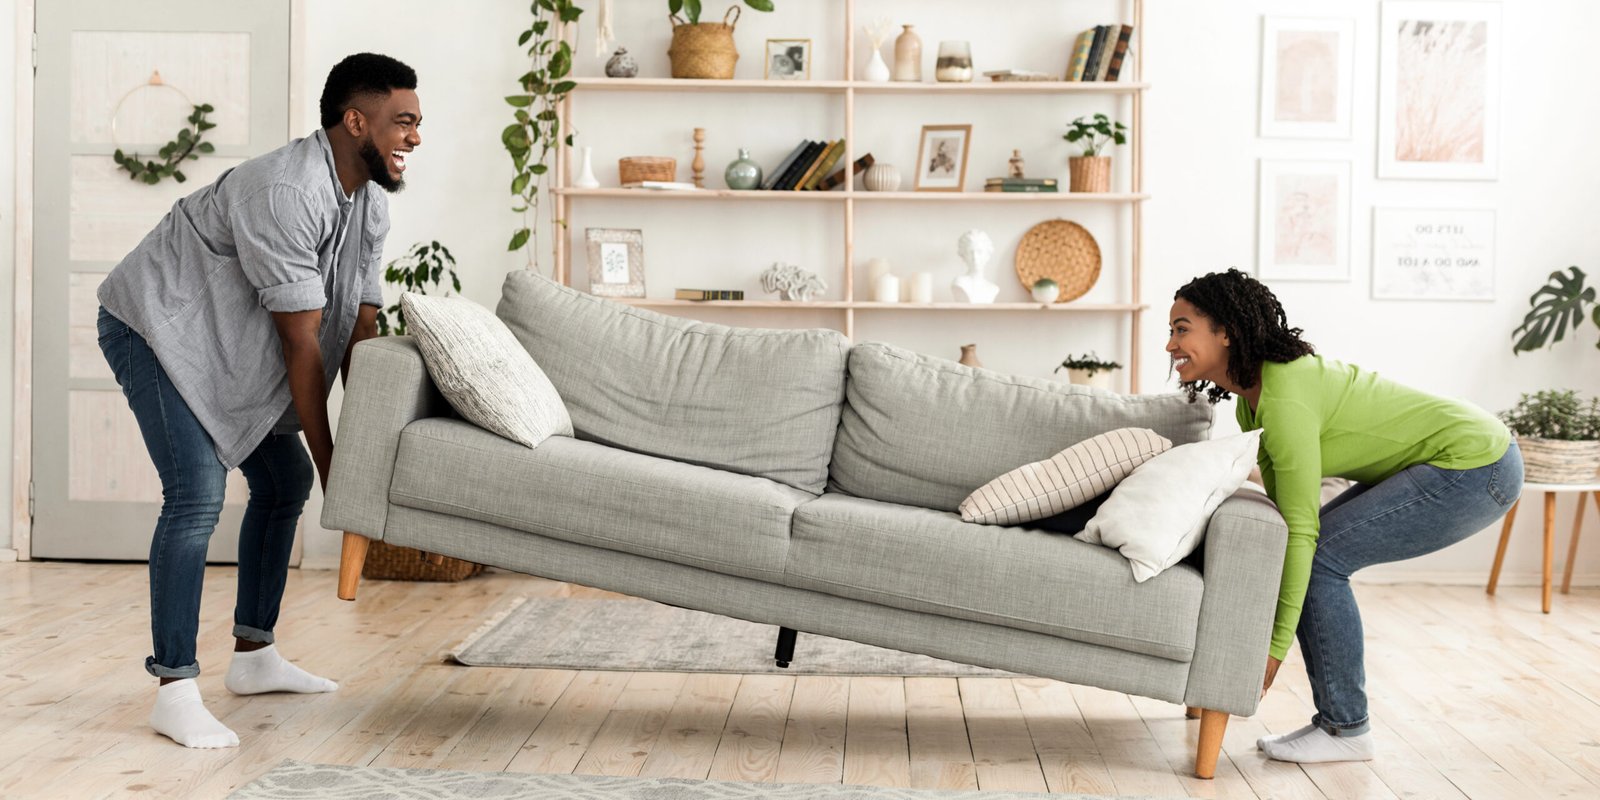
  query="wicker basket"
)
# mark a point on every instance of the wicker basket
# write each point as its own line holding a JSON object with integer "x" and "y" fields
{"x": 646, "y": 168}
{"x": 1090, "y": 173}
{"x": 392, "y": 563}
{"x": 1062, "y": 251}
{"x": 704, "y": 49}
{"x": 1553, "y": 461}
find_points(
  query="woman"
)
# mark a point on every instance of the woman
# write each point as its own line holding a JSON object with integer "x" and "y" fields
{"x": 1429, "y": 472}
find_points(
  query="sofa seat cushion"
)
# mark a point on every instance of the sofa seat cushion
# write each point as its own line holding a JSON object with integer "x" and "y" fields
{"x": 595, "y": 495}
{"x": 923, "y": 560}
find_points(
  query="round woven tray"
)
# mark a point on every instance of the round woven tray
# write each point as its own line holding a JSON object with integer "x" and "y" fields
{"x": 1063, "y": 252}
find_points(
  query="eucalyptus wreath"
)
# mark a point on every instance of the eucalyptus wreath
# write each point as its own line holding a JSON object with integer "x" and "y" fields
{"x": 187, "y": 147}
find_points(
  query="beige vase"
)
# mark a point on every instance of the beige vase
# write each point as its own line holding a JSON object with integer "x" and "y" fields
{"x": 969, "y": 355}
{"x": 1553, "y": 461}
{"x": 908, "y": 56}
{"x": 1090, "y": 173}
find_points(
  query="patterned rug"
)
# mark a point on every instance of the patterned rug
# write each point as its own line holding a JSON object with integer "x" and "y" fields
{"x": 294, "y": 780}
{"x": 640, "y": 636}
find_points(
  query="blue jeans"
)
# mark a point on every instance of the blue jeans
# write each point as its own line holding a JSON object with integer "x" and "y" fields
{"x": 279, "y": 474}
{"x": 1415, "y": 512}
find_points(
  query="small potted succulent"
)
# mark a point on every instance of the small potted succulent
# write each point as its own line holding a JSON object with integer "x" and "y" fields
{"x": 1089, "y": 370}
{"x": 1091, "y": 172}
{"x": 1559, "y": 436}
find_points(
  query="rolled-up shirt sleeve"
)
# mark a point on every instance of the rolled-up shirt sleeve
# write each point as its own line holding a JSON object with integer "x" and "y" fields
{"x": 277, "y": 231}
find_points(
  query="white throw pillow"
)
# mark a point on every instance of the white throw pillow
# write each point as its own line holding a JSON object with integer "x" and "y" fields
{"x": 1157, "y": 515}
{"x": 483, "y": 370}
{"x": 1065, "y": 480}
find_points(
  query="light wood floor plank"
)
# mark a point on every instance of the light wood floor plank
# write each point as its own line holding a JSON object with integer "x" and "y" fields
{"x": 753, "y": 738}
{"x": 876, "y": 752}
{"x": 813, "y": 740}
{"x": 1067, "y": 752}
{"x": 936, "y": 732}
{"x": 1002, "y": 749}
{"x": 633, "y": 726}
{"x": 694, "y": 727}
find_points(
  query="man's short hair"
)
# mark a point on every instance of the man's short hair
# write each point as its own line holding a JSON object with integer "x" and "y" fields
{"x": 361, "y": 75}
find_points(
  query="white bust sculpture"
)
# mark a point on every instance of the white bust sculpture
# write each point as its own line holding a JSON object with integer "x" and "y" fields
{"x": 973, "y": 286}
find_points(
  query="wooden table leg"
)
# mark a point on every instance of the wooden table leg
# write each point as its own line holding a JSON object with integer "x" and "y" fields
{"x": 1572, "y": 549}
{"x": 1500, "y": 553}
{"x": 1549, "y": 542}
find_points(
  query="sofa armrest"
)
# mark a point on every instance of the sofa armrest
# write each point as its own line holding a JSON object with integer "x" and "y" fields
{"x": 1243, "y": 566}
{"x": 388, "y": 389}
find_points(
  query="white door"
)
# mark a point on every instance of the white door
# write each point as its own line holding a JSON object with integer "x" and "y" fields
{"x": 97, "y": 493}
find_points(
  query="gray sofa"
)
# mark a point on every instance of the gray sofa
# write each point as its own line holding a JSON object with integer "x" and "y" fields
{"x": 788, "y": 478}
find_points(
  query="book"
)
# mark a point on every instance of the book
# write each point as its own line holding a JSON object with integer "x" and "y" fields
{"x": 811, "y": 169}
{"x": 838, "y": 178}
{"x": 1080, "y": 55}
{"x": 777, "y": 172}
{"x": 1036, "y": 188}
{"x": 799, "y": 166}
{"x": 1119, "y": 53}
{"x": 1020, "y": 182}
{"x": 709, "y": 294}
{"x": 671, "y": 186}
{"x": 825, "y": 166}
{"x": 1107, "y": 50}
{"x": 1091, "y": 65}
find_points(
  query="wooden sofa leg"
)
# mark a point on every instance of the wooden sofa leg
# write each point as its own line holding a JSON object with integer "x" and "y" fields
{"x": 1191, "y": 712}
{"x": 1212, "y": 725}
{"x": 785, "y": 652}
{"x": 433, "y": 558}
{"x": 351, "y": 559}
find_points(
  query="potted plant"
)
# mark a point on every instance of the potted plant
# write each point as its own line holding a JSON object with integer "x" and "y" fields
{"x": 704, "y": 49}
{"x": 424, "y": 265}
{"x": 1091, "y": 172}
{"x": 1089, "y": 370}
{"x": 1559, "y": 436}
{"x": 1557, "y": 307}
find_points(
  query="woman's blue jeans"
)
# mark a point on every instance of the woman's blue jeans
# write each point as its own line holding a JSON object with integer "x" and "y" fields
{"x": 279, "y": 474}
{"x": 1415, "y": 512}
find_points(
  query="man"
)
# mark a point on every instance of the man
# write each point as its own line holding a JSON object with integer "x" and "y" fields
{"x": 224, "y": 328}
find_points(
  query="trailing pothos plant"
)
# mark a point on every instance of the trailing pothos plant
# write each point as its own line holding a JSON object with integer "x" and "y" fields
{"x": 537, "y": 132}
{"x": 1557, "y": 307}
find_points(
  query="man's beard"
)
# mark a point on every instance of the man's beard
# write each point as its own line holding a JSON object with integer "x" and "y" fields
{"x": 378, "y": 168}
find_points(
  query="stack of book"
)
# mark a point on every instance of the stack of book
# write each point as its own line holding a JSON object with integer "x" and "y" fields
{"x": 1098, "y": 53}
{"x": 808, "y": 167}
{"x": 1020, "y": 185}
{"x": 709, "y": 294}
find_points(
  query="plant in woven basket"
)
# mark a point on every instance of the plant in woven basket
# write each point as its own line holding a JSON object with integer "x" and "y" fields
{"x": 424, "y": 266}
{"x": 1557, "y": 307}
{"x": 1089, "y": 363}
{"x": 1556, "y": 415}
{"x": 1094, "y": 133}
{"x": 691, "y": 8}
{"x": 537, "y": 133}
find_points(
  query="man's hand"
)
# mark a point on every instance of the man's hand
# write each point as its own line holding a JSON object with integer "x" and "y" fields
{"x": 308, "y": 383}
{"x": 1272, "y": 673}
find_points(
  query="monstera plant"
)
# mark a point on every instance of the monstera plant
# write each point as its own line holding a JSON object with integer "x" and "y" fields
{"x": 1558, "y": 307}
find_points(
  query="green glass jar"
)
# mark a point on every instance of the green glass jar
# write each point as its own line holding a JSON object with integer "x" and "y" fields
{"x": 743, "y": 173}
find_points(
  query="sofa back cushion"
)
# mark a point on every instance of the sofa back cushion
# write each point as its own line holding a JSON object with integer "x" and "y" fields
{"x": 751, "y": 401}
{"x": 925, "y": 431}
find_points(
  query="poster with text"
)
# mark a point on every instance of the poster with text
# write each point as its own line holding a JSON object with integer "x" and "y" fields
{"x": 1432, "y": 254}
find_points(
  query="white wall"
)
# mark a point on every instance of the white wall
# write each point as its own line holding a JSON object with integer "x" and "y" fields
{"x": 1201, "y": 169}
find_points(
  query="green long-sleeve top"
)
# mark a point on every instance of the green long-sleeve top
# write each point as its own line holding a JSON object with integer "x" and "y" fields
{"x": 1319, "y": 418}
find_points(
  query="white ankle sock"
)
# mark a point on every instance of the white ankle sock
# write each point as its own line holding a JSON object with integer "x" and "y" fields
{"x": 1261, "y": 744}
{"x": 1319, "y": 746}
{"x": 181, "y": 716}
{"x": 265, "y": 670}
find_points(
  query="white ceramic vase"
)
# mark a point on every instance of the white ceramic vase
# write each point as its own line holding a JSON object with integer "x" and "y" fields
{"x": 881, "y": 178}
{"x": 586, "y": 178}
{"x": 877, "y": 71}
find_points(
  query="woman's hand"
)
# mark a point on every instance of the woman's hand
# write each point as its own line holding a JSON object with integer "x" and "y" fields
{"x": 1272, "y": 672}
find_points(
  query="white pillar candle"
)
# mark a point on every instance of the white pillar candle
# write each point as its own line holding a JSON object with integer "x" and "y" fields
{"x": 922, "y": 288}
{"x": 887, "y": 289}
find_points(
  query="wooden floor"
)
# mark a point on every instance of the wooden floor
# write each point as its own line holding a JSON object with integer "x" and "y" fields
{"x": 1471, "y": 697}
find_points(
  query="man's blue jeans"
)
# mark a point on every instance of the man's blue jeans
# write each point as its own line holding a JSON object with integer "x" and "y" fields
{"x": 1415, "y": 512}
{"x": 279, "y": 474}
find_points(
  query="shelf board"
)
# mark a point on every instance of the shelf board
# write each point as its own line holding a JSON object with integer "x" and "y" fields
{"x": 869, "y": 306}
{"x": 865, "y": 87}
{"x": 923, "y": 197}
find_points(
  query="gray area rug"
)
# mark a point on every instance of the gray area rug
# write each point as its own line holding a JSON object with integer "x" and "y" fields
{"x": 640, "y": 636}
{"x": 294, "y": 780}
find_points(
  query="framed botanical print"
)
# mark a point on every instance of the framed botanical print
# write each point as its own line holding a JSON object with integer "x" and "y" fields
{"x": 616, "y": 262}
{"x": 1304, "y": 221}
{"x": 1307, "y": 66}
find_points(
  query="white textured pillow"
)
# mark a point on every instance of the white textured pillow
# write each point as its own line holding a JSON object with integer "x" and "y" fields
{"x": 483, "y": 370}
{"x": 1158, "y": 514}
{"x": 1065, "y": 480}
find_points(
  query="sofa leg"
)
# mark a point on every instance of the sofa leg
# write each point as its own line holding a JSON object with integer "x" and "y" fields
{"x": 1212, "y": 725}
{"x": 785, "y": 652}
{"x": 351, "y": 560}
{"x": 433, "y": 558}
{"x": 1191, "y": 712}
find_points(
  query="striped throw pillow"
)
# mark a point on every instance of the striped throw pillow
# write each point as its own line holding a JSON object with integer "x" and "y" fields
{"x": 1065, "y": 480}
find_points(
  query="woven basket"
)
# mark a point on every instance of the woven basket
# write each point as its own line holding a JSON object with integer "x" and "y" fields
{"x": 1553, "y": 461}
{"x": 1063, "y": 252}
{"x": 647, "y": 168}
{"x": 392, "y": 563}
{"x": 1090, "y": 173}
{"x": 704, "y": 49}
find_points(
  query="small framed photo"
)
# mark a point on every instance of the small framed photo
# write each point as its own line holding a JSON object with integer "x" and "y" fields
{"x": 616, "y": 262}
{"x": 1307, "y": 66}
{"x": 942, "y": 158}
{"x": 1305, "y": 221}
{"x": 788, "y": 60}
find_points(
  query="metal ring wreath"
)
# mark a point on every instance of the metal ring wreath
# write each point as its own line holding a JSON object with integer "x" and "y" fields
{"x": 187, "y": 146}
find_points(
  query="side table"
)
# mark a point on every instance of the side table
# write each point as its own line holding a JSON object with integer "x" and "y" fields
{"x": 1550, "y": 490}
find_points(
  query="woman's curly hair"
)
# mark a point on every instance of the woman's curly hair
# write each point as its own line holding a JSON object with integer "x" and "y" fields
{"x": 1257, "y": 328}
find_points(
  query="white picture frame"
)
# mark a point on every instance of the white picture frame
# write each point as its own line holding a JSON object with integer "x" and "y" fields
{"x": 1439, "y": 90}
{"x": 942, "y": 156}
{"x": 1433, "y": 254}
{"x": 616, "y": 261}
{"x": 1304, "y": 221}
{"x": 787, "y": 60}
{"x": 1307, "y": 70}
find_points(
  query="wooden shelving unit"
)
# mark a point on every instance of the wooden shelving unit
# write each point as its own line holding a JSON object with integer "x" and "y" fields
{"x": 1133, "y": 200}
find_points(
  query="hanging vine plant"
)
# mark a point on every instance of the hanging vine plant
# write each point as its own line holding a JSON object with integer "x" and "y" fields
{"x": 537, "y": 131}
{"x": 187, "y": 147}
